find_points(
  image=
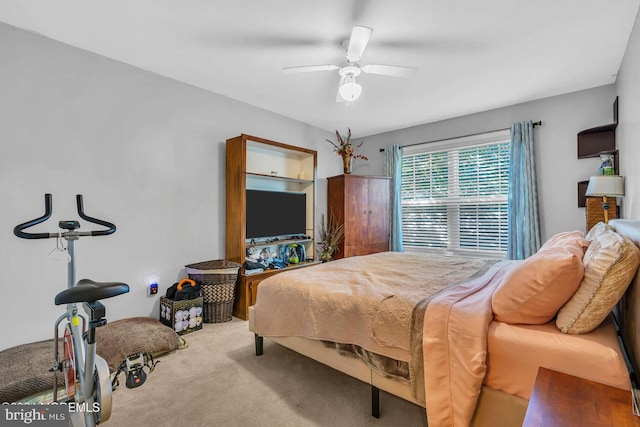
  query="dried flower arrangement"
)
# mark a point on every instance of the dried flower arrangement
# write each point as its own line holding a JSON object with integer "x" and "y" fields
{"x": 346, "y": 150}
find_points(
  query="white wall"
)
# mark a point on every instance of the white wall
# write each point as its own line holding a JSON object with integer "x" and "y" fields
{"x": 146, "y": 152}
{"x": 558, "y": 168}
{"x": 628, "y": 131}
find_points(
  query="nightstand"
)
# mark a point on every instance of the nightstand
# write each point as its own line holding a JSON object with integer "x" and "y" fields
{"x": 564, "y": 400}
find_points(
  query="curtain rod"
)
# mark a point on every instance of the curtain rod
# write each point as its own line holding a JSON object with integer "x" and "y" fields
{"x": 538, "y": 123}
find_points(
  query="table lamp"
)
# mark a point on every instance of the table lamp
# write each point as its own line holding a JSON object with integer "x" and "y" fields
{"x": 605, "y": 186}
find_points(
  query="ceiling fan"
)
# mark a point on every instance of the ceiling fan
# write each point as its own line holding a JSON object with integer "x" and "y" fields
{"x": 348, "y": 89}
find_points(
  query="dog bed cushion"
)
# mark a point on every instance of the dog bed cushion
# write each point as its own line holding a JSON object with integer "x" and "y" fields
{"x": 24, "y": 369}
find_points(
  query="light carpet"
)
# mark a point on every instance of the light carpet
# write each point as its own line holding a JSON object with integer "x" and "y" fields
{"x": 218, "y": 381}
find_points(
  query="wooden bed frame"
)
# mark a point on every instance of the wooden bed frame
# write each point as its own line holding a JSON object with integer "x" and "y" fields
{"x": 494, "y": 408}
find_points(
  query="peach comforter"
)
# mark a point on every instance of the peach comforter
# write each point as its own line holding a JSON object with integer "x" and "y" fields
{"x": 433, "y": 310}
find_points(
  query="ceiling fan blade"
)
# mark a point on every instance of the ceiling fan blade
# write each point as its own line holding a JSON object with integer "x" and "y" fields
{"x": 389, "y": 70}
{"x": 358, "y": 42}
{"x": 309, "y": 68}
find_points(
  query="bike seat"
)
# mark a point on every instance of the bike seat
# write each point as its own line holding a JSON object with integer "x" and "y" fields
{"x": 87, "y": 291}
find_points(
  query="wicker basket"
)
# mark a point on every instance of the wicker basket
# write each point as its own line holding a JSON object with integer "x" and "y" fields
{"x": 218, "y": 281}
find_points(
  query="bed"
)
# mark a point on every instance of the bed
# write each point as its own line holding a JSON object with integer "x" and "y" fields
{"x": 464, "y": 338}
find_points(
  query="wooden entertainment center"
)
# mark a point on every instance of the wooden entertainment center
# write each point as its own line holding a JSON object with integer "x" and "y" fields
{"x": 259, "y": 164}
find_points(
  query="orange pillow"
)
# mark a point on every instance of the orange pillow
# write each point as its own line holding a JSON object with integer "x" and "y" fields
{"x": 573, "y": 241}
{"x": 536, "y": 288}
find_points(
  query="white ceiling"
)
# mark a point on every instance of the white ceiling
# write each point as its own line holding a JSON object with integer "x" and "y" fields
{"x": 471, "y": 55}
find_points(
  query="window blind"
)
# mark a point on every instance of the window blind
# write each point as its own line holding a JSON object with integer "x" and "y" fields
{"x": 455, "y": 198}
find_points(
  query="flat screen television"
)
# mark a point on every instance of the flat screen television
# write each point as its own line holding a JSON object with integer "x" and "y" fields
{"x": 275, "y": 214}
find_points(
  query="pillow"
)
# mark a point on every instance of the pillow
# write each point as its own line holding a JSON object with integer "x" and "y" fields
{"x": 24, "y": 376}
{"x": 598, "y": 229}
{"x": 573, "y": 241}
{"x": 118, "y": 339}
{"x": 610, "y": 263}
{"x": 533, "y": 291}
{"x": 27, "y": 376}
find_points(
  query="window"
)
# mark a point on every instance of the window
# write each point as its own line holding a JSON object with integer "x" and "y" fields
{"x": 454, "y": 195}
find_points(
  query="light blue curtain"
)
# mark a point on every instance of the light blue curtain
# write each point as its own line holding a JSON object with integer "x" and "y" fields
{"x": 524, "y": 222}
{"x": 393, "y": 168}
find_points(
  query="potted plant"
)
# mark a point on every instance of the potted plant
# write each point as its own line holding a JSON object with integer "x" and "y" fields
{"x": 331, "y": 234}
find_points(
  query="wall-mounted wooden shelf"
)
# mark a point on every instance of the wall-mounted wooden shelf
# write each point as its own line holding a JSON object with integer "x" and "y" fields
{"x": 596, "y": 141}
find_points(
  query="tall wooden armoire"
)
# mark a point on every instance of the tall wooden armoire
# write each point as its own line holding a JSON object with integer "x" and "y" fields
{"x": 361, "y": 202}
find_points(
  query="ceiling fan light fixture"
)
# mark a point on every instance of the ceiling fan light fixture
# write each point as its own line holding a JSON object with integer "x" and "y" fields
{"x": 350, "y": 68}
{"x": 349, "y": 90}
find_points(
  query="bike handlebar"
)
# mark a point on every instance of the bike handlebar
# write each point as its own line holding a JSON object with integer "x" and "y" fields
{"x": 111, "y": 228}
{"x": 47, "y": 214}
{"x": 19, "y": 229}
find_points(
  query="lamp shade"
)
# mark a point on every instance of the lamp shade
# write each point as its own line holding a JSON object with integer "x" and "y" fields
{"x": 605, "y": 185}
{"x": 349, "y": 90}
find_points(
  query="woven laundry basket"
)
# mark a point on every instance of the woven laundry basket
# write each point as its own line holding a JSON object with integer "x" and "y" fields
{"x": 218, "y": 281}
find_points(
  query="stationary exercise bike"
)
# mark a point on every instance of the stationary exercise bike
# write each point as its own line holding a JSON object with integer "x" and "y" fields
{"x": 86, "y": 374}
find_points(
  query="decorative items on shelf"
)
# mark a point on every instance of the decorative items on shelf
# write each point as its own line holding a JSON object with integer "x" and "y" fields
{"x": 346, "y": 150}
{"x": 331, "y": 234}
{"x": 607, "y": 166}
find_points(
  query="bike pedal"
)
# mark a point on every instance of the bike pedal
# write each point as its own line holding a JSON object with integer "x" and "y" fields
{"x": 136, "y": 378}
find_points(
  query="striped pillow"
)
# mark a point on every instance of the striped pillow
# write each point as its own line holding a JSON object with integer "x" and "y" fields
{"x": 610, "y": 263}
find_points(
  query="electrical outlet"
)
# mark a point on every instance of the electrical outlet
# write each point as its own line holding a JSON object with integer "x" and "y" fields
{"x": 153, "y": 289}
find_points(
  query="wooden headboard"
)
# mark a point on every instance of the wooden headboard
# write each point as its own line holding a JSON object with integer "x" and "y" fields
{"x": 627, "y": 312}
